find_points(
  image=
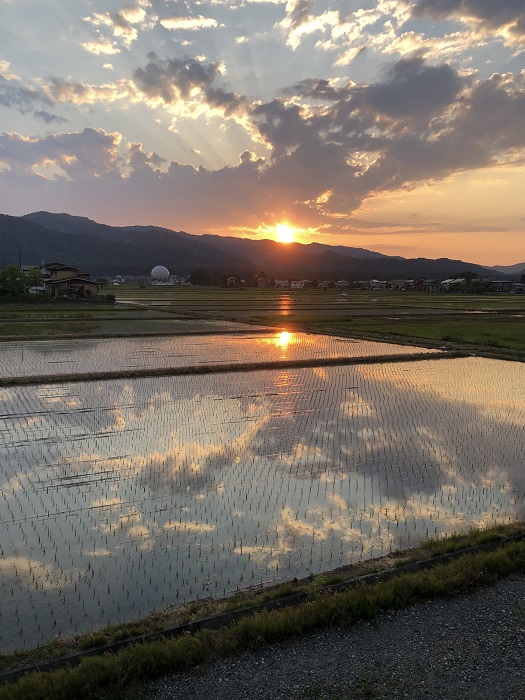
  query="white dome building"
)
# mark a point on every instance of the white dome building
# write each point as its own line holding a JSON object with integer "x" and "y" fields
{"x": 160, "y": 273}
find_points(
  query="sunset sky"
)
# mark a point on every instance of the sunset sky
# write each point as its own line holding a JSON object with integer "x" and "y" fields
{"x": 397, "y": 126}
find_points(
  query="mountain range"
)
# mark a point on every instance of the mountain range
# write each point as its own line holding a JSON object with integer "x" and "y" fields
{"x": 135, "y": 250}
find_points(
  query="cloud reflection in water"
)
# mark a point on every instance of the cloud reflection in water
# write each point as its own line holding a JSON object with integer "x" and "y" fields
{"x": 133, "y": 494}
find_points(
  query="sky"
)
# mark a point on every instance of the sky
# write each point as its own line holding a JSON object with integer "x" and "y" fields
{"x": 397, "y": 126}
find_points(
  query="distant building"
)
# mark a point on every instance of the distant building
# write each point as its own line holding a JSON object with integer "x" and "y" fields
{"x": 67, "y": 280}
{"x": 401, "y": 284}
{"x": 431, "y": 286}
{"x": 160, "y": 275}
{"x": 283, "y": 284}
{"x": 498, "y": 285}
{"x": 377, "y": 284}
{"x": 460, "y": 282}
{"x": 296, "y": 284}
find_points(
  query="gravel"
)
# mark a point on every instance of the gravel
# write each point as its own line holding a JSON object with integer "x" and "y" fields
{"x": 467, "y": 647}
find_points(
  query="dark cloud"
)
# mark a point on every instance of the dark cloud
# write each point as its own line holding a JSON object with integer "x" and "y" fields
{"x": 282, "y": 126}
{"x": 489, "y": 15}
{"x": 420, "y": 122}
{"x": 315, "y": 89}
{"x": 331, "y": 147}
{"x": 23, "y": 99}
{"x": 412, "y": 90}
{"x": 48, "y": 118}
{"x": 299, "y": 12}
{"x": 92, "y": 152}
{"x": 121, "y": 22}
{"x": 175, "y": 80}
{"x": 138, "y": 160}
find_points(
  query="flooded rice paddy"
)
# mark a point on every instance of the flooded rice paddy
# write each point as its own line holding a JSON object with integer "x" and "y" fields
{"x": 45, "y": 357}
{"x": 121, "y": 497}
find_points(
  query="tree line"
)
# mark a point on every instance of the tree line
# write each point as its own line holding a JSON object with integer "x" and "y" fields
{"x": 15, "y": 282}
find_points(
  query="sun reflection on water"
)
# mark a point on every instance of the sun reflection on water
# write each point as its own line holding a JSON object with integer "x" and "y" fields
{"x": 285, "y": 305}
{"x": 282, "y": 339}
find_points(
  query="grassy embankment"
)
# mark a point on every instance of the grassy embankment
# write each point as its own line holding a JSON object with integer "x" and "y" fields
{"x": 98, "y": 676}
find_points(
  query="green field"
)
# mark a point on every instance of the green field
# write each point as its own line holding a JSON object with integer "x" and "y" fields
{"x": 494, "y": 321}
{"x": 490, "y": 321}
{"x": 57, "y": 320}
{"x": 208, "y": 297}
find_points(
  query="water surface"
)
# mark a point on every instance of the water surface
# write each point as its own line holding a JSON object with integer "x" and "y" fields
{"x": 45, "y": 357}
{"x": 120, "y": 497}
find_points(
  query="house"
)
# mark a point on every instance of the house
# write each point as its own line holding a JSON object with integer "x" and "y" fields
{"x": 296, "y": 284}
{"x": 498, "y": 285}
{"x": 60, "y": 279}
{"x": 457, "y": 283}
{"x": 401, "y": 284}
{"x": 341, "y": 284}
{"x": 283, "y": 284}
{"x": 431, "y": 285}
{"x": 377, "y": 284}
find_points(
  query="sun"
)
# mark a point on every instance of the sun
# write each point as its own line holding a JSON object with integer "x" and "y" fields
{"x": 284, "y": 233}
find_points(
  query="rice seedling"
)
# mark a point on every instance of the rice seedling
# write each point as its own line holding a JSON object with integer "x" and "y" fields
{"x": 45, "y": 357}
{"x": 123, "y": 497}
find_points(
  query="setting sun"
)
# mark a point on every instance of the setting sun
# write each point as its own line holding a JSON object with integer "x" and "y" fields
{"x": 284, "y": 233}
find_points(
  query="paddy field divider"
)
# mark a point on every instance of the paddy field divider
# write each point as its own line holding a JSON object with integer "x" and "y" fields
{"x": 225, "y": 368}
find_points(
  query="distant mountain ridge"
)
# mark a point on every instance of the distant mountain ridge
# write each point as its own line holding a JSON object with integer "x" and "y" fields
{"x": 106, "y": 250}
{"x": 517, "y": 269}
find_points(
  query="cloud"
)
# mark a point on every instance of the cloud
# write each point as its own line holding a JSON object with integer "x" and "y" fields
{"x": 175, "y": 81}
{"x": 48, "y": 118}
{"x": 24, "y": 99}
{"x": 188, "y": 23}
{"x": 90, "y": 153}
{"x": 505, "y": 17}
{"x": 4, "y": 71}
{"x": 298, "y": 12}
{"x": 300, "y": 21}
{"x": 121, "y": 25}
{"x": 412, "y": 90}
{"x": 349, "y": 31}
{"x": 59, "y": 91}
{"x": 331, "y": 145}
{"x": 348, "y": 56}
{"x": 100, "y": 46}
{"x": 420, "y": 122}
{"x": 441, "y": 47}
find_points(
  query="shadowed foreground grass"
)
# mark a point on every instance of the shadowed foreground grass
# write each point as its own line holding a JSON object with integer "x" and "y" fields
{"x": 102, "y": 676}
